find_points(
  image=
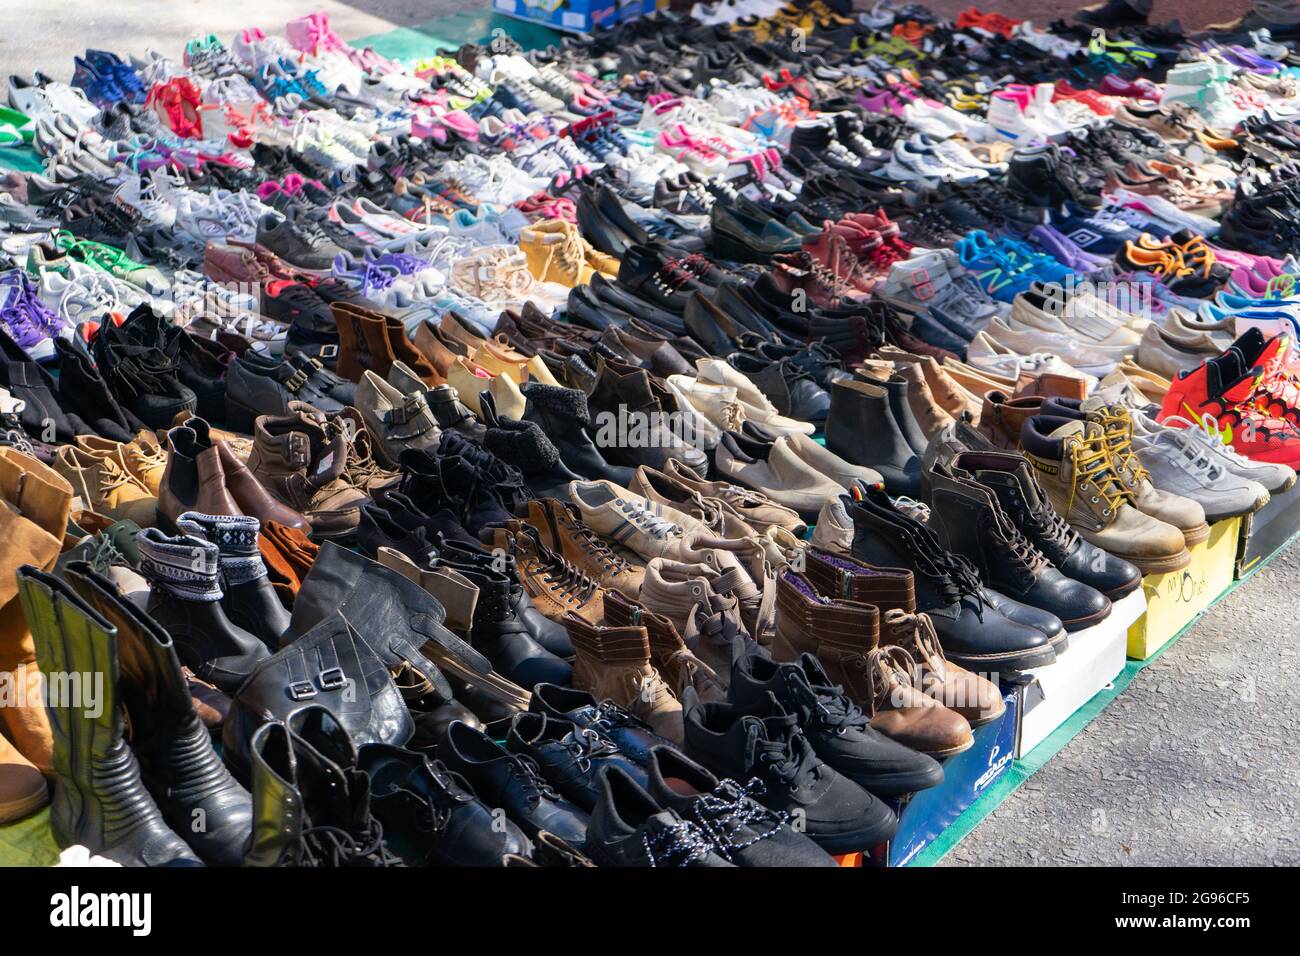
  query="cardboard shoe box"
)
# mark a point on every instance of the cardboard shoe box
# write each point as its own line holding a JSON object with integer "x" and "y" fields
{"x": 1177, "y": 598}
{"x": 1268, "y": 530}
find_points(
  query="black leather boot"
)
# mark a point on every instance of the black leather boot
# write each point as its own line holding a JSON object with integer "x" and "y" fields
{"x": 246, "y": 593}
{"x": 564, "y": 417}
{"x": 1011, "y": 478}
{"x": 972, "y": 631}
{"x": 430, "y": 816}
{"x": 453, "y": 483}
{"x": 896, "y": 388}
{"x": 185, "y": 598}
{"x": 198, "y": 797}
{"x": 311, "y": 803}
{"x": 861, "y": 428}
{"x": 542, "y": 629}
{"x": 100, "y": 801}
{"x": 970, "y": 521}
{"x": 500, "y": 633}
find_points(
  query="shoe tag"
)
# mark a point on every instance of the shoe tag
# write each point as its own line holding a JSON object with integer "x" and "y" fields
{"x": 325, "y": 464}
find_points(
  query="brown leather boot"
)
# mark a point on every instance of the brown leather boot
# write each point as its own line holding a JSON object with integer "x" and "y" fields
{"x": 899, "y": 709}
{"x": 836, "y": 575}
{"x": 678, "y": 664}
{"x": 556, "y": 587}
{"x": 303, "y": 463}
{"x": 1001, "y": 418}
{"x": 193, "y": 479}
{"x": 974, "y": 697}
{"x": 404, "y": 351}
{"x": 562, "y": 531}
{"x": 613, "y": 663}
{"x": 364, "y": 343}
{"x": 929, "y": 414}
{"x": 439, "y": 349}
{"x": 1051, "y": 385}
{"x": 249, "y": 494}
{"x": 37, "y": 502}
{"x": 805, "y": 620}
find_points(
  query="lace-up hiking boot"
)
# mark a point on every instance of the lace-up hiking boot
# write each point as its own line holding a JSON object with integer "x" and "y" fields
{"x": 747, "y": 833}
{"x": 1074, "y": 466}
{"x": 633, "y": 735}
{"x": 974, "y": 632}
{"x": 630, "y": 828}
{"x": 614, "y": 663}
{"x": 562, "y": 531}
{"x": 763, "y": 741}
{"x": 555, "y": 586}
{"x": 829, "y": 715}
{"x": 973, "y": 696}
{"x": 1117, "y": 425}
{"x": 1024, "y": 501}
{"x": 970, "y": 522}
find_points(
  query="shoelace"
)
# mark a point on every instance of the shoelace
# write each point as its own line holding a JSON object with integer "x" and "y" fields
{"x": 678, "y": 844}
{"x": 574, "y": 586}
{"x": 916, "y": 633}
{"x": 1118, "y": 428}
{"x": 888, "y": 666}
{"x": 1093, "y": 468}
{"x": 789, "y": 758}
{"x": 731, "y": 807}
{"x": 640, "y": 515}
{"x": 331, "y": 846}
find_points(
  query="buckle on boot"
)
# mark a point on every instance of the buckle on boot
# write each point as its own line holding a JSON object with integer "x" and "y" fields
{"x": 296, "y": 381}
{"x": 332, "y": 678}
{"x": 328, "y": 351}
{"x": 302, "y": 690}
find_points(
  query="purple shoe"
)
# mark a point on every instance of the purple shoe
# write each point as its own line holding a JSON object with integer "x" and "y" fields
{"x": 875, "y": 100}
{"x": 1064, "y": 249}
{"x": 28, "y": 320}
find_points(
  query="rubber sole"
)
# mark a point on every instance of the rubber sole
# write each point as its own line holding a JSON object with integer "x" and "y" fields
{"x": 1079, "y": 623}
{"x": 17, "y": 809}
{"x": 1010, "y": 660}
{"x": 950, "y": 752}
{"x": 1197, "y": 535}
{"x": 1160, "y": 565}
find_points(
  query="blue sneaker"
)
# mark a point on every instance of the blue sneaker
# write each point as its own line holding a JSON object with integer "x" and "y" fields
{"x": 100, "y": 88}
{"x": 1091, "y": 232}
{"x": 110, "y": 64}
{"x": 998, "y": 275}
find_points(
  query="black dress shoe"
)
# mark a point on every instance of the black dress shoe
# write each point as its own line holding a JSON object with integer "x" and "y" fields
{"x": 793, "y": 391}
{"x": 431, "y": 816}
{"x": 632, "y": 735}
{"x": 647, "y": 311}
{"x": 571, "y": 758}
{"x": 513, "y": 783}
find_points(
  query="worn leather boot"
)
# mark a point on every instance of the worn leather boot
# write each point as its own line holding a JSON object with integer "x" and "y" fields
{"x": 198, "y": 797}
{"x": 33, "y": 521}
{"x": 303, "y": 462}
{"x": 805, "y": 619}
{"x": 974, "y": 697}
{"x": 669, "y": 654}
{"x": 555, "y": 586}
{"x": 1012, "y": 479}
{"x": 902, "y": 711}
{"x": 929, "y": 414}
{"x": 836, "y": 575}
{"x": 565, "y": 533}
{"x": 193, "y": 480}
{"x": 364, "y": 345}
{"x": 247, "y": 598}
{"x": 1074, "y": 465}
{"x": 185, "y": 598}
{"x": 862, "y": 429}
{"x": 614, "y": 663}
{"x": 396, "y": 421}
{"x": 250, "y": 496}
{"x": 100, "y": 801}
{"x": 973, "y": 631}
{"x": 1117, "y": 424}
{"x": 311, "y": 804}
{"x": 900, "y": 404}
{"x": 23, "y": 790}
{"x": 1002, "y": 417}
{"x": 970, "y": 522}
{"x": 830, "y": 717}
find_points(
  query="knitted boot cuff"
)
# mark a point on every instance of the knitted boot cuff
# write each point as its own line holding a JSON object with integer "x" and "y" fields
{"x": 236, "y": 541}
{"x": 184, "y": 566}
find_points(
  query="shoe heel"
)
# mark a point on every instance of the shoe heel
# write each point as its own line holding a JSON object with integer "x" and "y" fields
{"x": 238, "y": 418}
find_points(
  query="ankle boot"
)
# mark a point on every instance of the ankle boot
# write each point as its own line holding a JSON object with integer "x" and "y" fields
{"x": 807, "y": 619}
{"x": 455, "y": 484}
{"x": 1011, "y": 478}
{"x": 499, "y": 633}
{"x": 840, "y": 575}
{"x": 311, "y": 803}
{"x": 970, "y": 522}
{"x": 900, "y": 404}
{"x": 929, "y": 414}
{"x": 1002, "y": 417}
{"x": 628, "y": 401}
{"x": 82, "y": 390}
{"x": 185, "y": 598}
{"x": 973, "y": 631}
{"x": 248, "y": 599}
{"x": 193, "y": 479}
{"x": 526, "y": 446}
{"x": 364, "y": 344}
{"x": 614, "y": 663}
{"x": 862, "y": 429}
{"x": 34, "y": 508}
{"x": 669, "y": 654}
{"x": 249, "y": 494}
{"x": 198, "y": 797}
{"x": 563, "y": 415}
{"x": 100, "y": 801}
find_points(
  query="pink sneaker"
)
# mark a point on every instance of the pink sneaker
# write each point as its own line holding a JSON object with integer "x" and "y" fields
{"x": 312, "y": 34}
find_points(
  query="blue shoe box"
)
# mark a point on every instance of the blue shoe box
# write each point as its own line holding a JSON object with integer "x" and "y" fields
{"x": 572, "y": 16}
{"x": 925, "y": 815}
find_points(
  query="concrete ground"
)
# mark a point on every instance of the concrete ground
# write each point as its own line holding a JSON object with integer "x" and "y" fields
{"x": 1197, "y": 763}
